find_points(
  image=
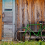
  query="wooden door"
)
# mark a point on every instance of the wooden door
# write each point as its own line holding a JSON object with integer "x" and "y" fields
{"x": 0, "y": 19}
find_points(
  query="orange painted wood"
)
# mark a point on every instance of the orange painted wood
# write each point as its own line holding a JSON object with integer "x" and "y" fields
{"x": 0, "y": 19}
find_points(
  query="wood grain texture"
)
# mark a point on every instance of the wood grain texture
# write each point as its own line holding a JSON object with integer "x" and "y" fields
{"x": 30, "y": 10}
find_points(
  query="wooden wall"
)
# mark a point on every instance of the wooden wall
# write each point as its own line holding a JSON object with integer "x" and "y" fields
{"x": 29, "y": 10}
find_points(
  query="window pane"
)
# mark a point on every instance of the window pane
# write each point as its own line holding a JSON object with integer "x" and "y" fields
{"x": 7, "y": 4}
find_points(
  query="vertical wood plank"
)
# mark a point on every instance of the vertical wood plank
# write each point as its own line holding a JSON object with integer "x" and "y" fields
{"x": 25, "y": 10}
{"x": 33, "y": 14}
{"x": 18, "y": 16}
{"x": 29, "y": 11}
{"x": 36, "y": 15}
{"x": 23, "y": 13}
{"x": 0, "y": 19}
{"x": 44, "y": 10}
{"x": 20, "y": 12}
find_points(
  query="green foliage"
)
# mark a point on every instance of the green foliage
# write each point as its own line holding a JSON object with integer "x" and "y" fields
{"x": 24, "y": 43}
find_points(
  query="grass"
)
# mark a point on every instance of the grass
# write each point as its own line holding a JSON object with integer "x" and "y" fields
{"x": 24, "y": 43}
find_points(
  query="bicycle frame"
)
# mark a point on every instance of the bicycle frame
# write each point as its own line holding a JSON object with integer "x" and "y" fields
{"x": 40, "y": 29}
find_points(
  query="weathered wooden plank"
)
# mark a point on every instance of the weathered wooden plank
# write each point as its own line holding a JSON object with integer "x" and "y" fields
{"x": 44, "y": 10}
{"x": 8, "y": 17}
{"x": 18, "y": 19}
{"x": 33, "y": 14}
{"x": 29, "y": 12}
{"x": 25, "y": 14}
{"x": 7, "y": 31}
{"x": 36, "y": 16}
{"x": 10, "y": 13}
{"x": 7, "y": 39}
{"x": 16, "y": 11}
{"x": 20, "y": 12}
{"x": 23, "y": 7}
